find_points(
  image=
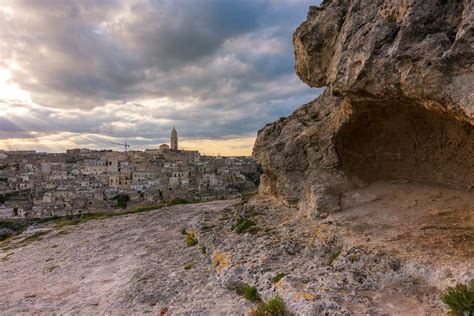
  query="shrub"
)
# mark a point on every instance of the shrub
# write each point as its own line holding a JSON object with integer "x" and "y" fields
{"x": 177, "y": 201}
{"x": 278, "y": 277}
{"x": 333, "y": 256}
{"x": 189, "y": 266}
{"x": 249, "y": 292}
{"x": 460, "y": 299}
{"x": 206, "y": 229}
{"x": 191, "y": 239}
{"x": 122, "y": 200}
{"x": 5, "y": 235}
{"x": 16, "y": 226}
{"x": 52, "y": 268}
{"x": 244, "y": 225}
{"x": 272, "y": 307}
{"x": 146, "y": 208}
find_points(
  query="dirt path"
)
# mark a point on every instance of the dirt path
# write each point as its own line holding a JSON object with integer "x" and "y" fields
{"x": 121, "y": 265}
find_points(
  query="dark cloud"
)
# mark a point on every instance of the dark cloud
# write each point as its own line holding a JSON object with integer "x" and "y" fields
{"x": 215, "y": 67}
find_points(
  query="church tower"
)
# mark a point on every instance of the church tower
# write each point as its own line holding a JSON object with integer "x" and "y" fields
{"x": 174, "y": 139}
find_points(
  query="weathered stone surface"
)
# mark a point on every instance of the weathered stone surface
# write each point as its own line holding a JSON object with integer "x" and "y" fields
{"x": 398, "y": 104}
{"x": 375, "y": 257}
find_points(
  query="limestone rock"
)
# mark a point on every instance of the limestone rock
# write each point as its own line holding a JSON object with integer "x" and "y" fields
{"x": 398, "y": 104}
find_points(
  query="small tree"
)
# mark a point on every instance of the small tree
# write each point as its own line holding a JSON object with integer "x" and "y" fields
{"x": 122, "y": 200}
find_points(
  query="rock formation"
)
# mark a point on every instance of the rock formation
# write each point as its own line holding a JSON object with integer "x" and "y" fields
{"x": 398, "y": 103}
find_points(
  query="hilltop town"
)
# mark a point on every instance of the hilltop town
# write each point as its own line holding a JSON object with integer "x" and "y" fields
{"x": 34, "y": 184}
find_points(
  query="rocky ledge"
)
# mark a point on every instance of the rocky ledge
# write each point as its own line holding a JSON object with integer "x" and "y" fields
{"x": 398, "y": 103}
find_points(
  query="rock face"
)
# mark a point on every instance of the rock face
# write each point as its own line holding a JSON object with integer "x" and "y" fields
{"x": 398, "y": 104}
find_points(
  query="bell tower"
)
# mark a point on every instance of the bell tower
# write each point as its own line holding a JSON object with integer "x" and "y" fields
{"x": 174, "y": 139}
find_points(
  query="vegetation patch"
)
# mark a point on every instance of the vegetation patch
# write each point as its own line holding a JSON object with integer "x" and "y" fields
{"x": 333, "y": 256}
{"x": 122, "y": 200}
{"x": 278, "y": 277}
{"x": 10, "y": 228}
{"x": 146, "y": 208}
{"x": 249, "y": 292}
{"x": 52, "y": 268}
{"x": 206, "y": 228}
{"x": 191, "y": 239}
{"x": 62, "y": 233}
{"x": 176, "y": 202}
{"x": 220, "y": 261}
{"x": 272, "y": 307}
{"x": 245, "y": 225}
{"x": 460, "y": 299}
{"x": 248, "y": 195}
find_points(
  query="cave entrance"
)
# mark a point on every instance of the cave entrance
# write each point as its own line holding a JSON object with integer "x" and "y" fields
{"x": 407, "y": 143}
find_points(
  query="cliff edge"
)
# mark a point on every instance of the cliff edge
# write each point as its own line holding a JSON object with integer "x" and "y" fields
{"x": 398, "y": 103}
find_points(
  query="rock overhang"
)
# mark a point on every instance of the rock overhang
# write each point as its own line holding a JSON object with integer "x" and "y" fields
{"x": 384, "y": 63}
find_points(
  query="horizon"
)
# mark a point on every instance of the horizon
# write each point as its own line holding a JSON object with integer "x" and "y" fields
{"x": 84, "y": 75}
{"x": 192, "y": 147}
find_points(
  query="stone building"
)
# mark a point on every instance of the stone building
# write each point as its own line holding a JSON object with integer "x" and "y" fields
{"x": 174, "y": 139}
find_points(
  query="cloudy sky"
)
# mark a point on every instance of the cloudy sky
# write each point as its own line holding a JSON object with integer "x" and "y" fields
{"x": 91, "y": 72}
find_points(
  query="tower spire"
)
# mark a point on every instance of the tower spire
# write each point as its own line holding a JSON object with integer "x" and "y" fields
{"x": 174, "y": 139}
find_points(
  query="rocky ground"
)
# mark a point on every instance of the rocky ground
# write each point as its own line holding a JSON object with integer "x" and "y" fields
{"x": 391, "y": 250}
{"x": 123, "y": 265}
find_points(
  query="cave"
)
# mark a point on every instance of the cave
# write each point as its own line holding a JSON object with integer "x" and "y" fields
{"x": 407, "y": 143}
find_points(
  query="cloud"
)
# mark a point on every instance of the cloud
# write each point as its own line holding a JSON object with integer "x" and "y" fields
{"x": 132, "y": 69}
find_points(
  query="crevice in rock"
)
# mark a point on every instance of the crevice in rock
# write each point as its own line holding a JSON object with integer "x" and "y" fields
{"x": 407, "y": 143}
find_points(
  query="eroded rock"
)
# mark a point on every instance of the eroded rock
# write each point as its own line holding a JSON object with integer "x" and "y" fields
{"x": 398, "y": 104}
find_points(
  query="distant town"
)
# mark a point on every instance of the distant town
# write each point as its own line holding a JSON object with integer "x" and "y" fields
{"x": 35, "y": 185}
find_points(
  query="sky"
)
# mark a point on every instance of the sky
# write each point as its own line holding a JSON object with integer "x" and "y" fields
{"x": 84, "y": 74}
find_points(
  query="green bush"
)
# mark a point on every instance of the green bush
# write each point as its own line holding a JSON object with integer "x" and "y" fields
{"x": 146, "y": 208}
{"x": 12, "y": 228}
{"x": 245, "y": 225}
{"x": 273, "y": 307}
{"x": 249, "y": 292}
{"x": 206, "y": 229}
{"x": 333, "y": 256}
{"x": 460, "y": 299}
{"x": 278, "y": 277}
{"x": 191, "y": 239}
{"x": 122, "y": 200}
{"x": 189, "y": 266}
{"x": 177, "y": 201}
{"x": 52, "y": 268}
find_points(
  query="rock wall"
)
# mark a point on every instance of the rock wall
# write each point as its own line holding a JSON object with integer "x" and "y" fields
{"x": 398, "y": 103}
